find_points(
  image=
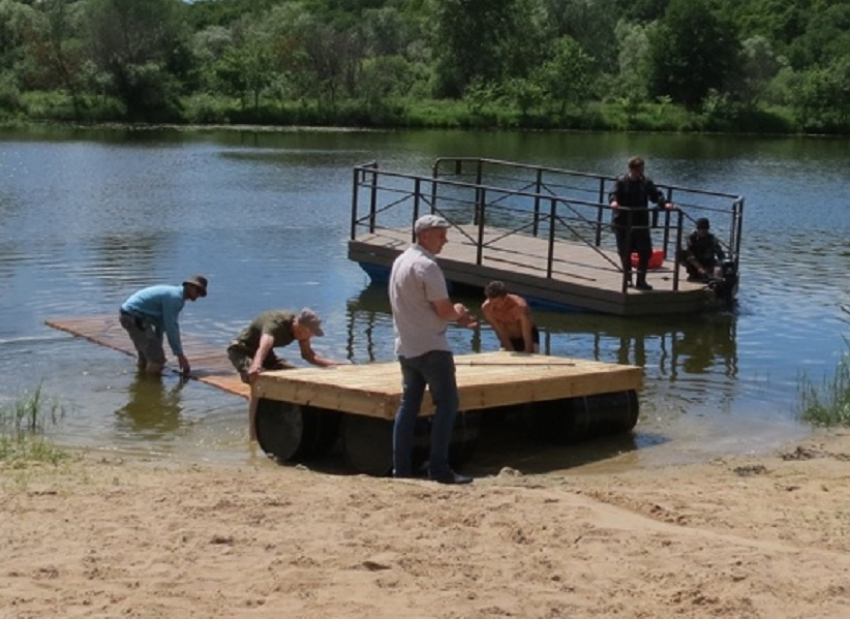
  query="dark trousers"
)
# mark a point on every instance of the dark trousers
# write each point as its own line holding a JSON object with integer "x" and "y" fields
{"x": 707, "y": 264}
{"x": 637, "y": 240}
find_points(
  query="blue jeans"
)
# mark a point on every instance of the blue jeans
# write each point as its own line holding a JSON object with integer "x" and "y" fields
{"x": 436, "y": 369}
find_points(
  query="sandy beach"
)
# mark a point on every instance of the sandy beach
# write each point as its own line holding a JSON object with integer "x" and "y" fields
{"x": 765, "y": 536}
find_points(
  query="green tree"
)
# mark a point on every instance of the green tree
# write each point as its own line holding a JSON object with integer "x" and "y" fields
{"x": 592, "y": 24}
{"x": 245, "y": 68}
{"x": 471, "y": 37}
{"x": 142, "y": 45}
{"x": 692, "y": 51}
{"x": 18, "y": 26}
{"x": 822, "y": 100}
{"x": 826, "y": 37}
{"x": 633, "y": 76}
{"x": 59, "y": 51}
{"x": 759, "y": 65}
{"x": 565, "y": 77}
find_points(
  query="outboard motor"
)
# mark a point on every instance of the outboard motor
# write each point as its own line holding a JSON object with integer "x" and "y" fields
{"x": 726, "y": 285}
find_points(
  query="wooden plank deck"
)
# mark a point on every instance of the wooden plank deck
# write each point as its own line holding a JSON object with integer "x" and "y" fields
{"x": 210, "y": 364}
{"x": 583, "y": 277}
{"x": 485, "y": 380}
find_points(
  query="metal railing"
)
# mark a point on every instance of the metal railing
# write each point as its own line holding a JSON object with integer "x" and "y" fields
{"x": 513, "y": 198}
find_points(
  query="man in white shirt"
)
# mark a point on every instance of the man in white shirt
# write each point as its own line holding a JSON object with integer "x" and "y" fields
{"x": 421, "y": 310}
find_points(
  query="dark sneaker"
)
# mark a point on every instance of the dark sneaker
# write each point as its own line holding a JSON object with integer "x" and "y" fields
{"x": 643, "y": 286}
{"x": 450, "y": 477}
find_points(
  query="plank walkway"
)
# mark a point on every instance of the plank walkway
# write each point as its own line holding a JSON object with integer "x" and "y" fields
{"x": 582, "y": 276}
{"x": 210, "y": 364}
{"x": 485, "y": 380}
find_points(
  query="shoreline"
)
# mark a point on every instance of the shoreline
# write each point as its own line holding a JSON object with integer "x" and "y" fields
{"x": 756, "y": 536}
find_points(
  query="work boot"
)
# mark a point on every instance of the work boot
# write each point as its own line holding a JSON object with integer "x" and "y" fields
{"x": 641, "y": 282}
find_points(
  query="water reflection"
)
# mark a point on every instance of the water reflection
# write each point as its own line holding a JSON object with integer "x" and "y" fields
{"x": 676, "y": 349}
{"x": 153, "y": 409}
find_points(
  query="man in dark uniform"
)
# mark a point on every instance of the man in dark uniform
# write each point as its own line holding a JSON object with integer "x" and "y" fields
{"x": 702, "y": 254}
{"x": 630, "y": 199}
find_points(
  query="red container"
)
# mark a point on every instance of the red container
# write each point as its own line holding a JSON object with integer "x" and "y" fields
{"x": 655, "y": 260}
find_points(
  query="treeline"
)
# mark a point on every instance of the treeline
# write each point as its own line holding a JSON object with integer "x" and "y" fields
{"x": 689, "y": 65}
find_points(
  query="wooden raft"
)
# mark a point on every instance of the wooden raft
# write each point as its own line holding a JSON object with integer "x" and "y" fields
{"x": 210, "y": 364}
{"x": 485, "y": 380}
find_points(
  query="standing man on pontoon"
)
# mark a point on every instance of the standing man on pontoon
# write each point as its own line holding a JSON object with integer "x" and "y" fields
{"x": 421, "y": 310}
{"x": 630, "y": 200}
{"x": 151, "y": 313}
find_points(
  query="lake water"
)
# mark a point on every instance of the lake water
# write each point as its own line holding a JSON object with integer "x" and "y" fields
{"x": 89, "y": 216}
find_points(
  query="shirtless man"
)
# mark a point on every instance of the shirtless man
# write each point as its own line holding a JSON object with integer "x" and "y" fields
{"x": 510, "y": 317}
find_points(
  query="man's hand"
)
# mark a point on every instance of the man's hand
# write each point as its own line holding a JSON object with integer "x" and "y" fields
{"x": 670, "y": 206}
{"x": 464, "y": 319}
{"x": 185, "y": 368}
{"x": 253, "y": 370}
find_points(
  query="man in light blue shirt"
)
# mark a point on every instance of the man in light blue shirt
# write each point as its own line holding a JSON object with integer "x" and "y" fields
{"x": 153, "y": 312}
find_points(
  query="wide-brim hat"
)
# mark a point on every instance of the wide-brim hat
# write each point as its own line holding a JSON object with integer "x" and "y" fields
{"x": 199, "y": 282}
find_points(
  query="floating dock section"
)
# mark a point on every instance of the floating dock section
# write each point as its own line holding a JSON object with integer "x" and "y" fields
{"x": 545, "y": 232}
{"x": 304, "y": 412}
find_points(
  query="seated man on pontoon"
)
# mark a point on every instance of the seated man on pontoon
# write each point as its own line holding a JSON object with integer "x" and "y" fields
{"x": 510, "y": 317}
{"x": 702, "y": 254}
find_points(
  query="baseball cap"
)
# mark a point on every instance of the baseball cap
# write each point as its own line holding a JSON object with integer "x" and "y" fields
{"x": 702, "y": 223}
{"x": 310, "y": 320}
{"x": 426, "y": 222}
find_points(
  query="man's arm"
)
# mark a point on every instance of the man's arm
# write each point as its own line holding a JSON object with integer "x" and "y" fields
{"x": 718, "y": 250}
{"x": 614, "y": 194}
{"x": 504, "y": 340}
{"x": 457, "y": 312}
{"x": 170, "y": 312}
{"x": 657, "y": 196}
{"x": 265, "y": 347}
{"x": 311, "y": 356}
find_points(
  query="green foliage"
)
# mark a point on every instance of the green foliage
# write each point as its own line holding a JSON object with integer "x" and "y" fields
{"x": 759, "y": 65}
{"x": 565, "y": 77}
{"x": 827, "y": 403}
{"x": 10, "y": 94}
{"x": 472, "y": 42}
{"x": 489, "y": 63}
{"x": 822, "y": 100}
{"x": 141, "y": 46}
{"x": 692, "y": 51}
{"x": 22, "y": 427}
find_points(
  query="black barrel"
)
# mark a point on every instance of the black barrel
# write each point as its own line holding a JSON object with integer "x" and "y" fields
{"x": 367, "y": 442}
{"x": 572, "y": 420}
{"x": 295, "y": 432}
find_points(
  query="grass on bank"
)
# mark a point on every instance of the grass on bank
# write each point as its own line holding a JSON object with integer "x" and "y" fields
{"x": 22, "y": 428}
{"x": 827, "y": 404}
{"x": 717, "y": 115}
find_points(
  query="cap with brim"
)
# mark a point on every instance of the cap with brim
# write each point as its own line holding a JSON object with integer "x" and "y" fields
{"x": 310, "y": 320}
{"x": 199, "y": 282}
{"x": 426, "y": 222}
